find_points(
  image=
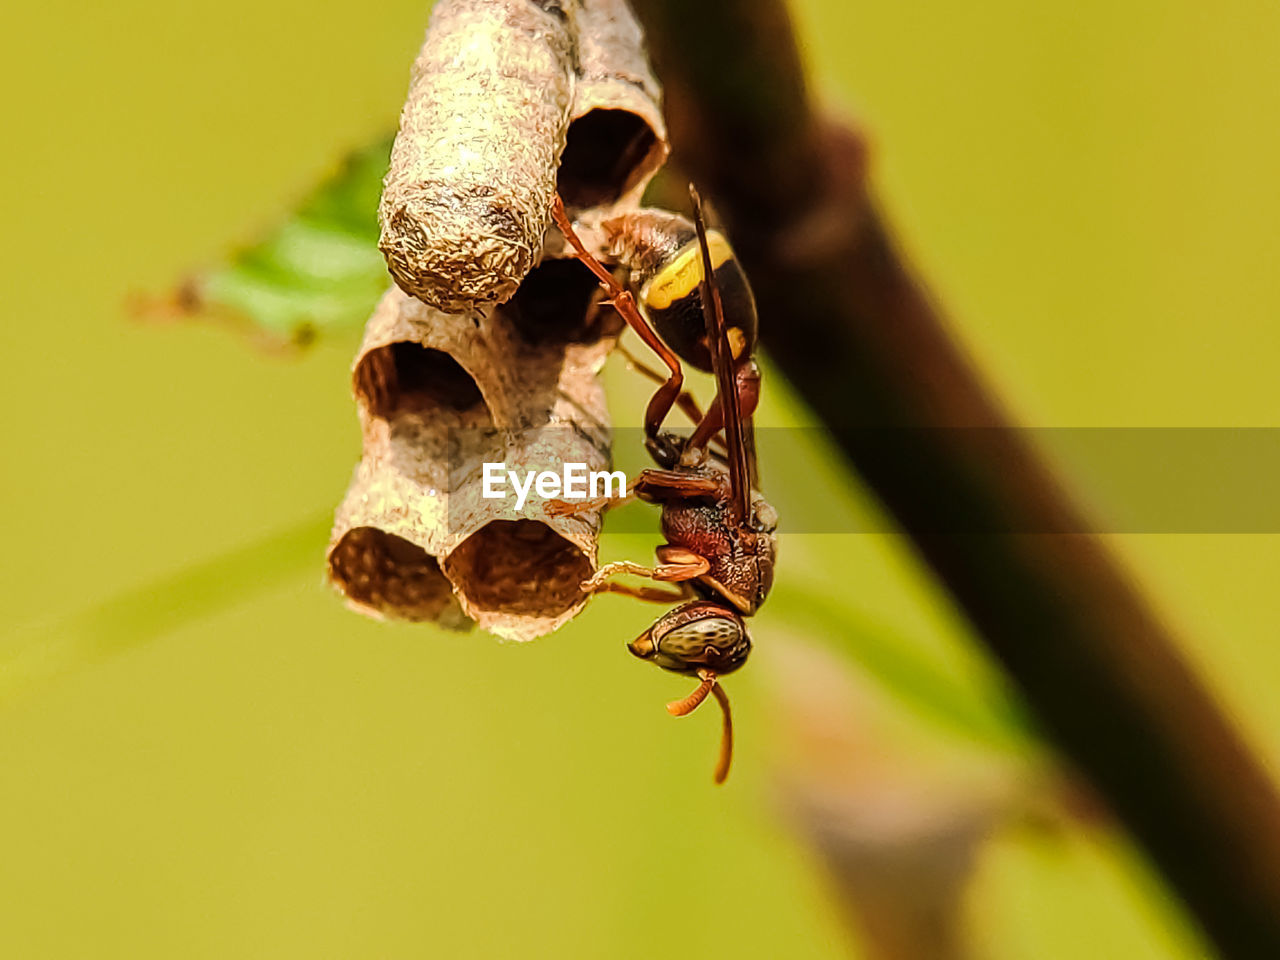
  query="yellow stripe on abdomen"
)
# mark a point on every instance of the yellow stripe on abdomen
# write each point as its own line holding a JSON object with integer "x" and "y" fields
{"x": 681, "y": 276}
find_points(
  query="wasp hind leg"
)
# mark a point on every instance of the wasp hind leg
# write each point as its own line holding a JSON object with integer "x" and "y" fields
{"x": 686, "y": 403}
{"x": 668, "y": 394}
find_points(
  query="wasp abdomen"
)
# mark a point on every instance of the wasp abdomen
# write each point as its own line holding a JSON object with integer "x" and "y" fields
{"x": 661, "y": 251}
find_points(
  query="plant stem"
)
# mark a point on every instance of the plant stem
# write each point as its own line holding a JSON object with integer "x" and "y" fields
{"x": 864, "y": 344}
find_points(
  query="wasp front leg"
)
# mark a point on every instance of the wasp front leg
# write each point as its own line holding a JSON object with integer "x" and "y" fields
{"x": 576, "y": 508}
{"x": 675, "y": 565}
{"x": 660, "y": 486}
{"x": 677, "y": 593}
{"x": 654, "y": 486}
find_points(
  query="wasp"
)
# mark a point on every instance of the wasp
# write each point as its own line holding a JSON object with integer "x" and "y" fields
{"x": 720, "y": 546}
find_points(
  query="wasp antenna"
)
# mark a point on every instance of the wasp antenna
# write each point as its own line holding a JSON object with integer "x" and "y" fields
{"x": 726, "y": 736}
{"x": 682, "y": 708}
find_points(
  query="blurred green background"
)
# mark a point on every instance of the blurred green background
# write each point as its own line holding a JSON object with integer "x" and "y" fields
{"x": 228, "y": 763}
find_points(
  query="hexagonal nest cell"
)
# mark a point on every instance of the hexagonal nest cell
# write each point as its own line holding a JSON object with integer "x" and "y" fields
{"x": 606, "y": 153}
{"x": 557, "y": 303}
{"x": 519, "y": 567}
{"x": 406, "y": 377}
{"x": 394, "y": 577}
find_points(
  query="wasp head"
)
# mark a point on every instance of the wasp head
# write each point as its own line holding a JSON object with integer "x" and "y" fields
{"x": 701, "y": 635}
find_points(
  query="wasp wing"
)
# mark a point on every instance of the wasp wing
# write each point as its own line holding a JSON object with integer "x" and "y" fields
{"x": 749, "y": 443}
{"x": 726, "y": 379}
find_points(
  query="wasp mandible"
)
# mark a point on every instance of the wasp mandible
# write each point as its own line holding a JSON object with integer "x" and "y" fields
{"x": 720, "y": 547}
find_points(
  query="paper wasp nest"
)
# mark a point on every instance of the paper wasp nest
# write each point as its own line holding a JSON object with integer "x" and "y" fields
{"x": 439, "y": 395}
{"x": 510, "y": 100}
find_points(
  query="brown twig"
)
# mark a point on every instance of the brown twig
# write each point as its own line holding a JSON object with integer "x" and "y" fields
{"x": 867, "y": 348}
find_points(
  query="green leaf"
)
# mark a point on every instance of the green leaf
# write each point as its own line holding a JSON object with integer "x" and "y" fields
{"x": 317, "y": 273}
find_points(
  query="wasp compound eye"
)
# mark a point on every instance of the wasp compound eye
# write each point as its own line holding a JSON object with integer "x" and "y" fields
{"x": 698, "y": 635}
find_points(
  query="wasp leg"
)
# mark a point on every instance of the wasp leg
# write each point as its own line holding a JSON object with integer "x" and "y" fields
{"x": 675, "y": 564}
{"x": 652, "y": 485}
{"x": 596, "y": 580}
{"x": 665, "y": 397}
{"x": 650, "y": 594}
{"x": 686, "y": 402}
{"x": 747, "y": 382}
{"x": 657, "y": 486}
{"x": 576, "y": 508}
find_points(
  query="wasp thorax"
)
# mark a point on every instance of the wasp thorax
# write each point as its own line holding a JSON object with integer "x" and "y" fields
{"x": 644, "y": 241}
{"x": 698, "y": 635}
